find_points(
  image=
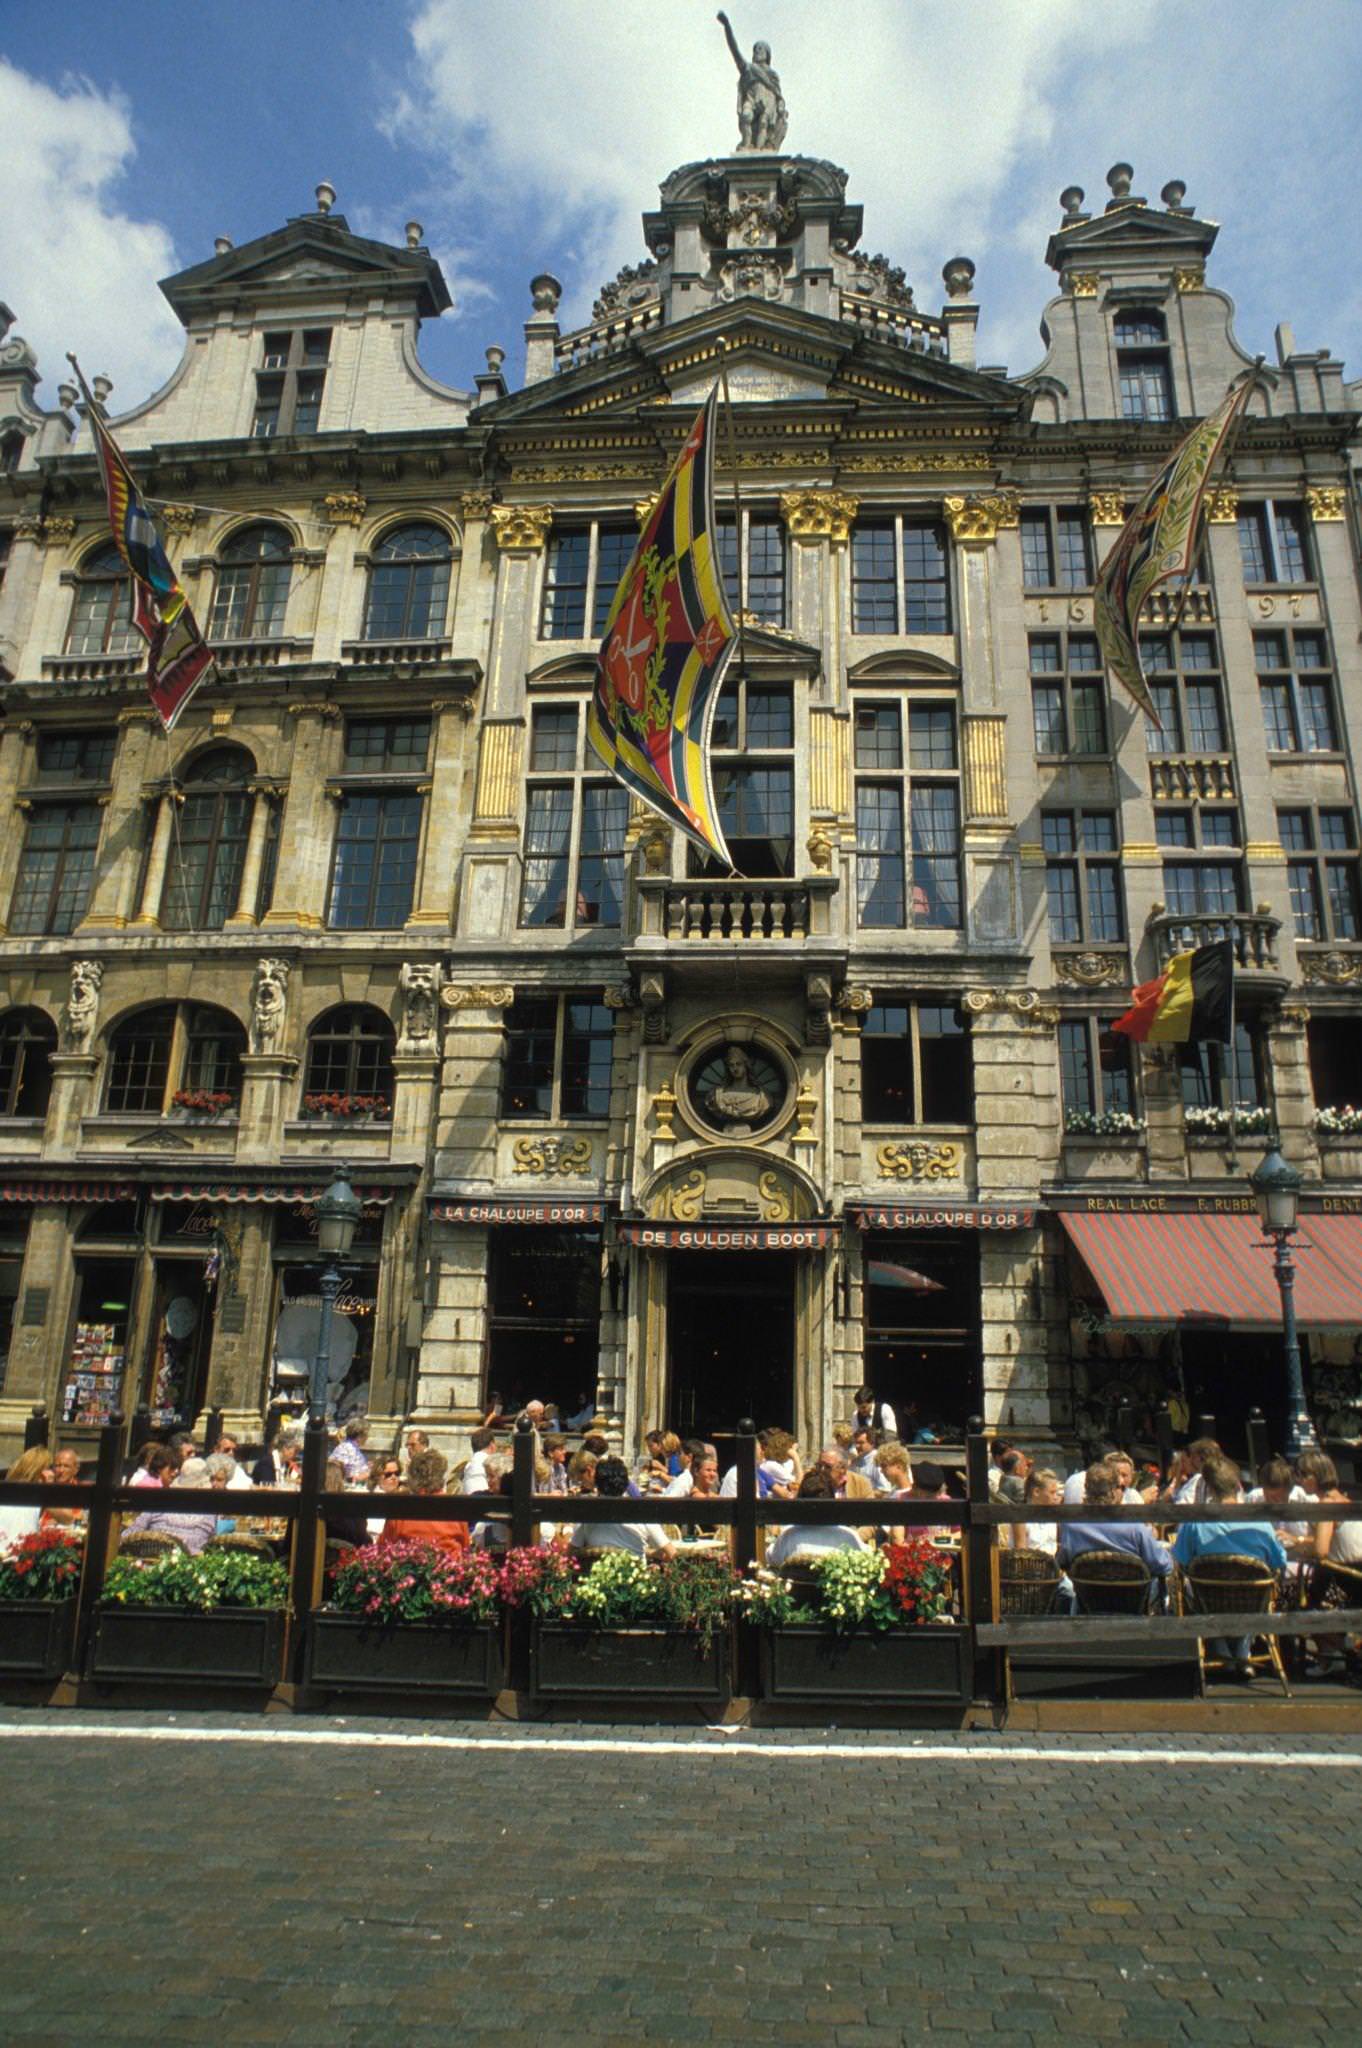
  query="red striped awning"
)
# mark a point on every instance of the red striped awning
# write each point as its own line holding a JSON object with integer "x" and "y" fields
{"x": 1181, "y": 1267}
{"x": 67, "y": 1191}
{"x": 259, "y": 1191}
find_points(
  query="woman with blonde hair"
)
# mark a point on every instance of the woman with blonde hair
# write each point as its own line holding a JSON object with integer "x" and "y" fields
{"x": 30, "y": 1468}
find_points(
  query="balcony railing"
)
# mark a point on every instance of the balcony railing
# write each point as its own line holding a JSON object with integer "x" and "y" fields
{"x": 1254, "y": 934}
{"x": 252, "y": 654}
{"x": 894, "y": 324}
{"x": 395, "y": 653}
{"x": 730, "y": 913}
{"x": 1166, "y": 608}
{"x": 606, "y": 337}
{"x": 1182, "y": 778}
{"x": 93, "y": 668}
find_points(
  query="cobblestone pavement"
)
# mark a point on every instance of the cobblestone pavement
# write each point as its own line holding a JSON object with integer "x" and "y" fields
{"x": 186, "y": 1879}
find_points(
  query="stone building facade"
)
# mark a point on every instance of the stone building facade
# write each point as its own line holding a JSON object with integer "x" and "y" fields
{"x": 664, "y": 1143}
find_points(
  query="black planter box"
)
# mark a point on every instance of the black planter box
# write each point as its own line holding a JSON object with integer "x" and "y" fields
{"x": 230, "y": 1646}
{"x": 812, "y": 1666}
{"x": 572, "y": 1662}
{"x": 347, "y": 1654}
{"x": 35, "y": 1637}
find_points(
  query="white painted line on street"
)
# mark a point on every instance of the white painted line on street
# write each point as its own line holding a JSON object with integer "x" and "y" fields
{"x": 602, "y": 1745}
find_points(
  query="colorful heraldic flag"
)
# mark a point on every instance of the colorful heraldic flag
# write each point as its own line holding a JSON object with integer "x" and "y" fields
{"x": 666, "y": 646}
{"x": 1191, "y": 1002}
{"x": 178, "y": 657}
{"x": 1160, "y": 539}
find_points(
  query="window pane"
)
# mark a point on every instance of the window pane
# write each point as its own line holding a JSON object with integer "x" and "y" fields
{"x": 1099, "y": 832}
{"x": 600, "y": 866}
{"x": 376, "y": 843}
{"x": 1220, "y": 828}
{"x": 614, "y": 551}
{"x": 1105, "y": 919}
{"x": 766, "y": 570}
{"x": 873, "y": 607}
{"x": 1305, "y": 906}
{"x": 1166, "y": 736}
{"x": 1084, "y": 652}
{"x": 770, "y": 715}
{"x": 56, "y": 868}
{"x": 1293, "y": 829}
{"x": 944, "y": 1060}
{"x": 1277, "y": 721}
{"x": 409, "y": 591}
{"x": 1138, "y": 327}
{"x": 1173, "y": 828}
{"x": 1057, "y": 831}
{"x": 879, "y": 865}
{"x": 1293, "y": 561}
{"x": 926, "y": 603}
{"x": 527, "y": 1067}
{"x": 1038, "y": 572}
{"x": 1340, "y": 879}
{"x": 1061, "y": 888}
{"x": 1075, "y": 563}
{"x": 879, "y": 741}
{"x": 1089, "y": 715}
{"x": 931, "y": 736}
{"x": 588, "y": 1032}
{"x": 1047, "y": 717}
{"x": 1075, "y": 1066}
{"x": 1336, "y": 829}
{"x": 1317, "y": 718}
{"x": 548, "y": 835}
{"x": 553, "y": 738}
{"x": 936, "y": 857}
{"x": 565, "y": 587}
{"x": 1044, "y": 652}
{"x": 887, "y": 1066}
{"x": 1205, "y": 727}
{"x": 756, "y": 811}
{"x": 1269, "y": 650}
{"x": 1113, "y": 1059}
{"x": 139, "y": 1062}
{"x": 204, "y": 873}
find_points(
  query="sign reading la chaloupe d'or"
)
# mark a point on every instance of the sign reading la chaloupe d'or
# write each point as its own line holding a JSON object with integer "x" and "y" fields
{"x": 469, "y": 1210}
{"x": 950, "y": 1216}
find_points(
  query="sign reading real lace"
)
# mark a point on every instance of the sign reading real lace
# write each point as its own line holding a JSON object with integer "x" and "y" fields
{"x": 730, "y": 1237}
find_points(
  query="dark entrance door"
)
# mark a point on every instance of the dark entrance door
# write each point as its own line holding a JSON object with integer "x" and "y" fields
{"x": 731, "y": 1340}
{"x": 1227, "y": 1373}
{"x": 922, "y": 1341}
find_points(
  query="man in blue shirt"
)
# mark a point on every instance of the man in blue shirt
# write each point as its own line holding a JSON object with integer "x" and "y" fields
{"x": 1228, "y": 1539}
{"x": 1102, "y": 1488}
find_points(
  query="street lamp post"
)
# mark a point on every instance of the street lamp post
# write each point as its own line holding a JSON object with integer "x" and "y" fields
{"x": 1278, "y": 1187}
{"x": 338, "y": 1214}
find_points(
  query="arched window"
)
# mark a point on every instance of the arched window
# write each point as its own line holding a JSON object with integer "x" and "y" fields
{"x": 209, "y": 848}
{"x": 409, "y": 584}
{"x": 101, "y": 615}
{"x": 175, "y": 1050}
{"x": 349, "y": 1061}
{"x": 27, "y": 1043}
{"x": 252, "y": 589}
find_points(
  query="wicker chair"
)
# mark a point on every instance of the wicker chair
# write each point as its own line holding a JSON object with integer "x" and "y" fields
{"x": 1110, "y": 1582}
{"x": 241, "y": 1539}
{"x": 148, "y": 1543}
{"x": 1234, "y": 1585}
{"x": 1028, "y": 1582}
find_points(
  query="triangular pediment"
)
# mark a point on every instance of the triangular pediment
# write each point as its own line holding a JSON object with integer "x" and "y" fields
{"x": 314, "y": 253}
{"x": 1132, "y": 230}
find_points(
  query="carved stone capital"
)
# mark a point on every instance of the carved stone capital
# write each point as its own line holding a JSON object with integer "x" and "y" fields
{"x": 1326, "y": 502}
{"x": 178, "y": 520}
{"x": 1023, "y": 1005}
{"x": 819, "y": 514}
{"x": 1189, "y": 277}
{"x": 982, "y": 515}
{"x": 1091, "y": 970}
{"x": 620, "y": 996}
{"x": 59, "y": 532}
{"x": 644, "y": 509}
{"x": 344, "y": 508}
{"x": 1222, "y": 504}
{"x": 1107, "y": 508}
{"x": 855, "y": 1001}
{"x": 1083, "y": 284}
{"x": 521, "y": 529}
{"x": 475, "y": 504}
{"x": 477, "y": 995}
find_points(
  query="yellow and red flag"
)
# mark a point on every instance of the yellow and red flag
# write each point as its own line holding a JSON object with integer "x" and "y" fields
{"x": 667, "y": 643}
{"x": 1159, "y": 540}
{"x": 1190, "y": 1003}
{"x": 178, "y": 657}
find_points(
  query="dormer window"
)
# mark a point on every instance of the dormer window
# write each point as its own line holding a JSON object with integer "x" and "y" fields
{"x": 1142, "y": 367}
{"x": 290, "y": 381}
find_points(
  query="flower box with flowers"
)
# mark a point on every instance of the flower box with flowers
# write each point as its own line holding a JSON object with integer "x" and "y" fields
{"x": 617, "y": 1628}
{"x": 411, "y": 1618}
{"x": 336, "y": 1108}
{"x": 1341, "y": 1123}
{"x": 874, "y": 1627}
{"x": 39, "y": 1584}
{"x": 215, "y": 1619}
{"x": 203, "y": 1102}
{"x": 1201, "y": 1121}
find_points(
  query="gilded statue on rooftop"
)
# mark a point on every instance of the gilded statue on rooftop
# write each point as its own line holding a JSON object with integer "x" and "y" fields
{"x": 762, "y": 113}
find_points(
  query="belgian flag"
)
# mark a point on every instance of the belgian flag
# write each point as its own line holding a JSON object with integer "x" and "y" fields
{"x": 1191, "y": 1002}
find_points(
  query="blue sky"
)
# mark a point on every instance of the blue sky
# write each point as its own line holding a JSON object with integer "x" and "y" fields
{"x": 531, "y": 134}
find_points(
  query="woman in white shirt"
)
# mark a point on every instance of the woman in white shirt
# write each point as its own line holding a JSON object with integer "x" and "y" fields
{"x": 30, "y": 1468}
{"x": 817, "y": 1539}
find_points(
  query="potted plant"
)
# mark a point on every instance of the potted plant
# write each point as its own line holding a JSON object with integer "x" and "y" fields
{"x": 873, "y": 1627}
{"x": 618, "y": 1628}
{"x": 213, "y": 1619}
{"x": 39, "y": 1586}
{"x": 209, "y": 1102}
{"x": 339, "y": 1108}
{"x": 409, "y": 1617}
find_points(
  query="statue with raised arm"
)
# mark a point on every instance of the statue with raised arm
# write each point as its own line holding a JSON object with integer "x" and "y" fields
{"x": 762, "y": 113}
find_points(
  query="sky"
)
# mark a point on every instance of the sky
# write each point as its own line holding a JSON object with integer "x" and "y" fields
{"x": 531, "y": 135}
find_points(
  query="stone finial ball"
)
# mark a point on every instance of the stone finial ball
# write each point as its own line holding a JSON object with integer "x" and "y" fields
{"x": 959, "y": 276}
{"x": 546, "y": 292}
{"x": 1119, "y": 177}
{"x": 1071, "y": 199}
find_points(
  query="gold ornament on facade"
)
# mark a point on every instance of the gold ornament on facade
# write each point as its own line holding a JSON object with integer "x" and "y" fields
{"x": 1326, "y": 501}
{"x": 916, "y": 1159}
{"x": 1222, "y": 504}
{"x": 521, "y": 529}
{"x": 477, "y": 995}
{"x": 1021, "y": 1003}
{"x": 682, "y": 1201}
{"x": 822, "y": 845}
{"x": 1107, "y": 508}
{"x": 855, "y": 1001}
{"x": 805, "y": 1108}
{"x": 644, "y": 509}
{"x": 28, "y": 526}
{"x": 619, "y": 996}
{"x": 1189, "y": 277}
{"x": 344, "y": 508}
{"x": 1092, "y": 970}
{"x": 552, "y": 1152}
{"x": 982, "y": 515}
{"x": 1084, "y": 284}
{"x": 657, "y": 849}
{"x": 664, "y": 1110}
{"x": 475, "y": 504}
{"x": 819, "y": 515}
{"x": 178, "y": 520}
{"x": 985, "y": 764}
{"x": 58, "y": 532}
{"x": 1331, "y": 970}
{"x": 913, "y": 463}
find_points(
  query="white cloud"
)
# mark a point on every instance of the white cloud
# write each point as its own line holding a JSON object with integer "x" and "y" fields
{"x": 959, "y": 122}
{"x": 78, "y": 272}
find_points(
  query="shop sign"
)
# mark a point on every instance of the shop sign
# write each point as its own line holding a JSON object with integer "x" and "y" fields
{"x": 950, "y": 1216}
{"x": 1155, "y": 1205}
{"x": 730, "y": 1237}
{"x": 517, "y": 1212}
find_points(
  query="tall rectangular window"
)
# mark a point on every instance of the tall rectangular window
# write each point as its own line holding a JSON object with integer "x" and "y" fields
{"x": 1143, "y": 371}
{"x": 907, "y": 814}
{"x": 574, "y": 830}
{"x": 1082, "y": 876}
{"x": 1183, "y": 672}
{"x": 557, "y": 1058}
{"x": 760, "y": 589}
{"x": 1068, "y": 694}
{"x": 1245, "y": 1070}
{"x": 582, "y": 570}
{"x": 290, "y": 382}
{"x": 915, "y": 1063}
{"x": 56, "y": 868}
{"x": 900, "y": 576}
{"x": 377, "y": 840}
{"x": 1056, "y": 548}
{"x": 752, "y": 744}
{"x": 1095, "y": 1072}
{"x": 1322, "y": 872}
{"x": 1296, "y": 689}
{"x": 1274, "y": 545}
